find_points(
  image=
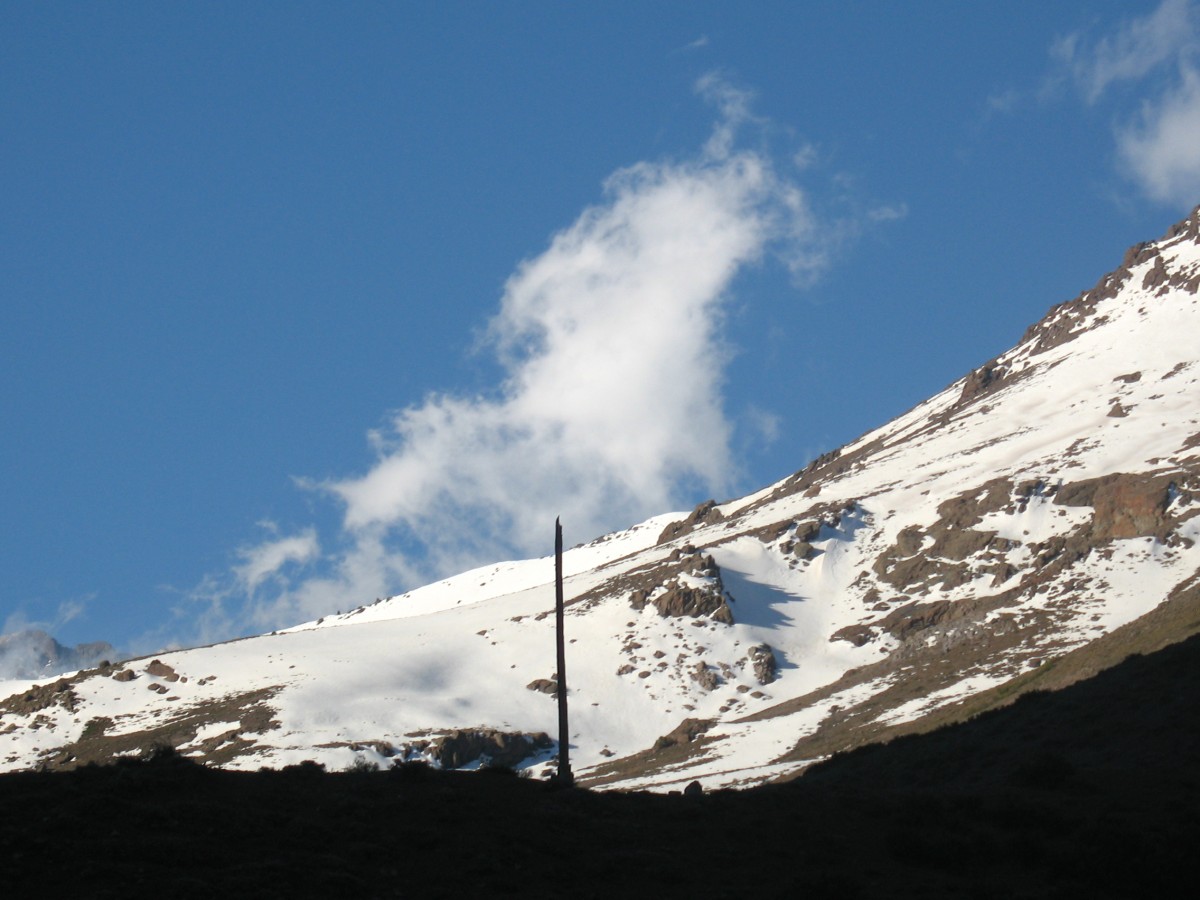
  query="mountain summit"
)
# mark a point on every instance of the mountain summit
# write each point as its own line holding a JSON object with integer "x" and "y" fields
{"x": 1031, "y": 524}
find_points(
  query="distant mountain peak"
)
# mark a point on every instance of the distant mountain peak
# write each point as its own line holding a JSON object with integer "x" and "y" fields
{"x": 32, "y": 653}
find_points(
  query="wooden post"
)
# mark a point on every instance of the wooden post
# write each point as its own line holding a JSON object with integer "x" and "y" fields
{"x": 565, "y": 778}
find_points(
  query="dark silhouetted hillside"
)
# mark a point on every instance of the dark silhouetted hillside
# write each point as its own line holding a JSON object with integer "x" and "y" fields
{"x": 1093, "y": 790}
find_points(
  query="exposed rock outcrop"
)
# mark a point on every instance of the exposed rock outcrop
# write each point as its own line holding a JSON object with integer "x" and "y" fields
{"x": 684, "y": 733}
{"x": 694, "y": 602}
{"x": 1123, "y": 506}
{"x": 704, "y": 514}
{"x": 986, "y": 379}
{"x": 544, "y": 686}
{"x": 43, "y": 696}
{"x": 159, "y": 669}
{"x": 705, "y": 676}
{"x": 485, "y": 745}
{"x": 937, "y": 555}
{"x": 695, "y": 591}
{"x": 762, "y": 658}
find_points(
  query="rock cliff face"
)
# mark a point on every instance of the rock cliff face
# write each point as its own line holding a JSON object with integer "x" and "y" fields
{"x": 1036, "y": 521}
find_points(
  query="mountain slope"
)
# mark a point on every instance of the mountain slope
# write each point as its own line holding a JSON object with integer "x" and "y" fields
{"x": 1036, "y": 518}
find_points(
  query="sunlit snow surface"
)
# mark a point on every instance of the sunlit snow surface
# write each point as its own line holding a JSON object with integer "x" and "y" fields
{"x": 459, "y": 653}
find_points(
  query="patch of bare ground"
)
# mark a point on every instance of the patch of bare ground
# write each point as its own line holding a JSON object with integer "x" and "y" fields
{"x": 682, "y": 747}
{"x": 911, "y": 566}
{"x": 39, "y": 697}
{"x": 247, "y": 713}
{"x": 1176, "y": 619}
{"x": 941, "y": 642}
{"x": 934, "y": 654}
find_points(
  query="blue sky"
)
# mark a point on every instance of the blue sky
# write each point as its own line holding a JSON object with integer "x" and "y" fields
{"x": 308, "y": 303}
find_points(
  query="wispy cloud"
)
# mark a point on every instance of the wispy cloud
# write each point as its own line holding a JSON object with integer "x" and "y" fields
{"x": 806, "y": 157}
{"x": 1162, "y": 149}
{"x": 888, "y": 213}
{"x": 66, "y": 611}
{"x": 270, "y": 558}
{"x": 1130, "y": 52}
{"x": 1156, "y": 146}
{"x": 734, "y": 106}
{"x": 698, "y": 44}
{"x": 1003, "y": 101}
{"x": 611, "y": 404}
{"x": 763, "y": 424}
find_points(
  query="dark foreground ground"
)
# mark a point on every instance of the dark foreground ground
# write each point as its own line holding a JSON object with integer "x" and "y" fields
{"x": 1092, "y": 791}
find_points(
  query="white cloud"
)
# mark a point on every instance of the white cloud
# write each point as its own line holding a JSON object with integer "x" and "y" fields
{"x": 66, "y": 611}
{"x": 1002, "y": 102}
{"x": 733, "y": 104}
{"x": 611, "y": 406}
{"x": 806, "y": 157}
{"x": 1162, "y": 151}
{"x": 763, "y": 424}
{"x": 1156, "y": 146}
{"x": 888, "y": 213}
{"x": 611, "y": 344}
{"x": 1132, "y": 51}
{"x": 268, "y": 558}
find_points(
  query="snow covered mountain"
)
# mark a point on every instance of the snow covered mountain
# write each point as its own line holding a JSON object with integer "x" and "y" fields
{"x": 1031, "y": 524}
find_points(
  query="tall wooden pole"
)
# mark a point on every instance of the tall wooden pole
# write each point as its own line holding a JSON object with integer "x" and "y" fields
{"x": 565, "y": 778}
